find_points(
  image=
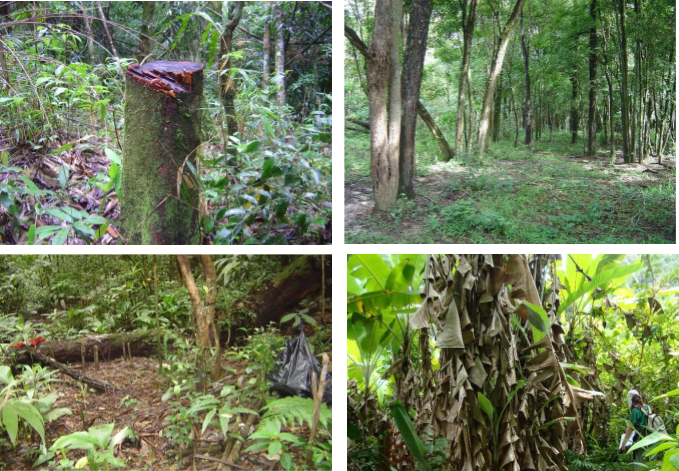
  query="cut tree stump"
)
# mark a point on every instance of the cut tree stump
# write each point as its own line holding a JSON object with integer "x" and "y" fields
{"x": 159, "y": 200}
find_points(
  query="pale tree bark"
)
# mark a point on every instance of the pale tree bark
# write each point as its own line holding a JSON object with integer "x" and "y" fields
{"x": 266, "y": 45}
{"x": 395, "y": 84}
{"x": 468, "y": 23}
{"x": 280, "y": 54}
{"x": 413, "y": 63}
{"x": 495, "y": 70}
{"x": 383, "y": 165}
{"x": 591, "y": 118}
{"x": 208, "y": 334}
{"x": 527, "y": 116}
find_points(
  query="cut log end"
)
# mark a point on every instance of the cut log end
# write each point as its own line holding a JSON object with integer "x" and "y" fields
{"x": 170, "y": 78}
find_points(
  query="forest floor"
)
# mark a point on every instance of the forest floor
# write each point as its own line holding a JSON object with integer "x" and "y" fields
{"x": 549, "y": 194}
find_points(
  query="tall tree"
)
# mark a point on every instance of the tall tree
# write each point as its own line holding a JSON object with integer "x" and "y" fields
{"x": 204, "y": 309}
{"x": 395, "y": 82}
{"x": 266, "y": 44}
{"x": 227, "y": 90}
{"x": 437, "y": 134}
{"x": 280, "y": 54}
{"x": 591, "y": 118}
{"x": 413, "y": 63}
{"x": 383, "y": 164}
{"x": 495, "y": 70}
{"x": 146, "y": 30}
{"x": 624, "y": 91}
{"x": 468, "y": 23}
{"x": 527, "y": 118}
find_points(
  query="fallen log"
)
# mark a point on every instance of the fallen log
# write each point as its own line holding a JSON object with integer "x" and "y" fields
{"x": 142, "y": 343}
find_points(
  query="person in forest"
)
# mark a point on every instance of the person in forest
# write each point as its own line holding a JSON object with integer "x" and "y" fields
{"x": 636, "y": 422}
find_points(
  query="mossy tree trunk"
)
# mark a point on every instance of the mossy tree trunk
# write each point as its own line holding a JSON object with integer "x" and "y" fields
{"x": 159, "y": 194}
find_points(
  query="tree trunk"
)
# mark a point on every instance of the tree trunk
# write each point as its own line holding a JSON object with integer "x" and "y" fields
{"x": 395, "y": 86}
{"x": 413, "y": 63}
{"x": 104, "y": 23}
{"x": 468, "y": 23}
{"x": 88, "y": 31}
{"x": 146, "y": 30}
{"x": 227, "y": 90}
{"x": 204, "y": 310}
{"x": 591, "y": 118}
{"x": 280, "y": 54}
{"x": 444, "y": 147}
{"x": 574, "y": 108}
{"x": 527, "y": 118}
{"x": 383, "y": 165}
{"x": 266, "y": 45}
{"x": 624, "y": 91}
{"x": 495, "y": 70}
{"x": 159, "y": 195}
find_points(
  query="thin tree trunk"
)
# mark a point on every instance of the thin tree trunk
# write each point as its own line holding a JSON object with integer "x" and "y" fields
{"x": 88, "y": 31}
{"x": 624, "y": 91}
{"x": 591, "y": 118}
{"x": 280, "y": 54}
{"x": 574, "y": 108}
{"x": 146, "y": 30}
{"x": 104, "y": 23}
{"x": 468, "y": 23}
{"x": 266, "y": 44}
{"x": 227, "y": 90}
{"x": 472, "y": 112}
{"x": 527, "y": 118}
{"x": 495, "y": 69}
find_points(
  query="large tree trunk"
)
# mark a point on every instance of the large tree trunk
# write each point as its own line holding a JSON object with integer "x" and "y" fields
{"x": 495, "y": 70}
{"x": 159, "y": 195}
{"x": 444, "y": 147}
{"x": 468, "y": 23}
{"x": 395, "y": 84}
{"x": 383, "y": 165}
{"x": 413, "y": 62}
{"x": 301, "y": 279}
{"x": 591, "y": 118}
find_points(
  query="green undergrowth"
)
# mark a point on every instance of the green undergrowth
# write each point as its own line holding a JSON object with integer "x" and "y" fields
{"x": 549, "y": 194}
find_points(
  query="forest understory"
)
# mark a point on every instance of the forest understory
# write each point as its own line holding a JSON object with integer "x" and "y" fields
{"x": 549, "y": 194}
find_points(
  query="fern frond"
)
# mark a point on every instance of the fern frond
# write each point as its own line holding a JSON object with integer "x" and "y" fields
{"x": 289, "y": 411}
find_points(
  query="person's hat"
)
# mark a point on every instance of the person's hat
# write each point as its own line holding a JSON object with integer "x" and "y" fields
{"x": 630, "y": 395}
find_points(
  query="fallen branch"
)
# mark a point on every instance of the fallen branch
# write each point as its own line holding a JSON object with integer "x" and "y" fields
{"x": 95, "y": 383}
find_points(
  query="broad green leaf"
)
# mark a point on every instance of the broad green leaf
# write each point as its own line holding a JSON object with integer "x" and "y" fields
{"x": 539, "y": 321}
{"x": 486, "y": 406}
{"x": 669, "y": 394}
{"x": 208, "y": 418}
{"x": 409, "y": 435}
{"x": 30, "y": 414}
{"x": 10, "y": 420}
{"x": 60, "y": 237}
{"x": 102, "y": 434}
{"x": 63, "y": 148}
{"x": 274, "y": 449}
{"x": 113, "y": 156}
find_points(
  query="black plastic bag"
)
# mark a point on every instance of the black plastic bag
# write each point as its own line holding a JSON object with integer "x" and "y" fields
{"x": 292, "y": 376}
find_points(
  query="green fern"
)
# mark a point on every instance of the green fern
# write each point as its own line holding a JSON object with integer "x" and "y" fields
{"x": 289, "y": 411}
